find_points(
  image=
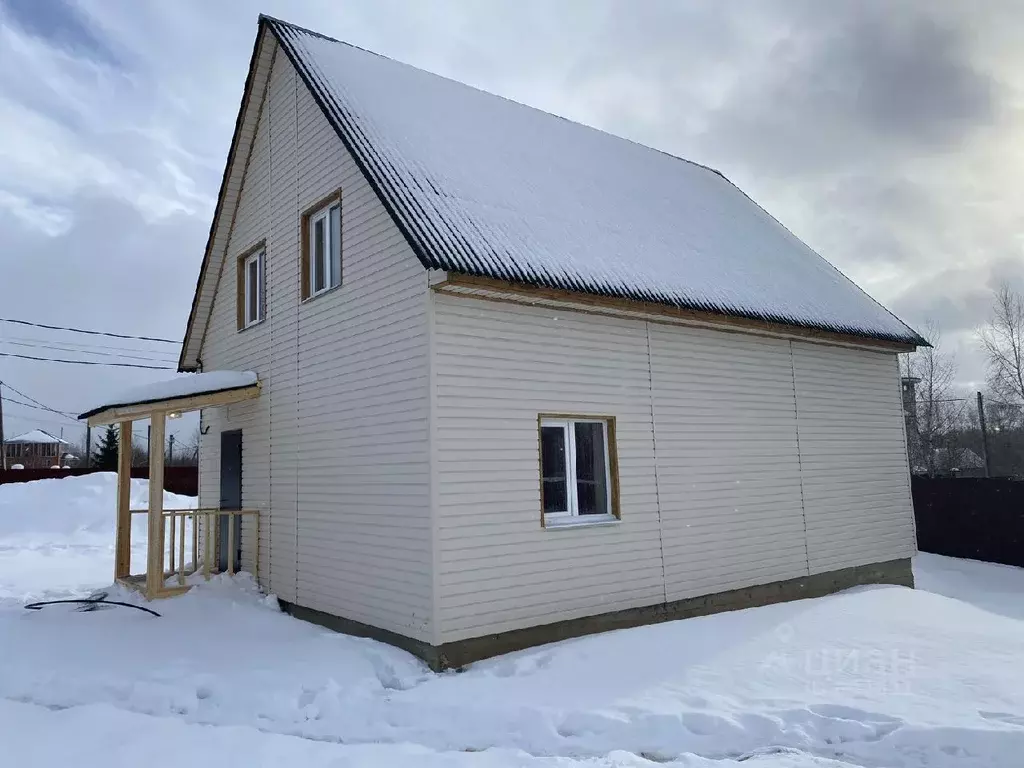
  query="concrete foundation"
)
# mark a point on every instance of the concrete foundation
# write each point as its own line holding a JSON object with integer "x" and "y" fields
{"x": 457, "y": 654}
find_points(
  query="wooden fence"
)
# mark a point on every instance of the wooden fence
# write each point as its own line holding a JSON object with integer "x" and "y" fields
{"x": 976, "y": 518}
{"x": 182, "y": 480}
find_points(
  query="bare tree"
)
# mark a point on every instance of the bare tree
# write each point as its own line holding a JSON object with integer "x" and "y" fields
{"x": 191, "y": 447}
{"x": 938, "y": 414}
{"x": 1003, "y": 341}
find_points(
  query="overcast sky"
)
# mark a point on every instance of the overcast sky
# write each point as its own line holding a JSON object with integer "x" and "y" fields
{"x": 885, "y": 134}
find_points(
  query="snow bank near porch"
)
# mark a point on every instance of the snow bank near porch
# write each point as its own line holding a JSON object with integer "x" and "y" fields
{"x": 57, "y": 536}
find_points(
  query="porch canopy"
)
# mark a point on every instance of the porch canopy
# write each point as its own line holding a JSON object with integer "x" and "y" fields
{"x": 185, "y": 393}
{"x": 156, "y": 402}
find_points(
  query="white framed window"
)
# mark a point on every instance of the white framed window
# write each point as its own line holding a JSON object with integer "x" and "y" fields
{"x": 322, "y": 249}
{"x": 253, "y": 288}
{"x": 578, "y": 470}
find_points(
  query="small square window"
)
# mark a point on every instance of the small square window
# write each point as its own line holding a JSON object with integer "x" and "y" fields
{"x": 577, "y": 462}
{"x": 321, "y": 247}
{"x": 251, "y": 288}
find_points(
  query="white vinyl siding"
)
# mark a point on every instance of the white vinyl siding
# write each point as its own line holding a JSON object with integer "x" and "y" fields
{"x": 725, "y": 508}
{"x": 498, "y": 367}
{"x": 728, "y": 466}
{"x": 335, "y": 450}
{"x": 856, "y": 481}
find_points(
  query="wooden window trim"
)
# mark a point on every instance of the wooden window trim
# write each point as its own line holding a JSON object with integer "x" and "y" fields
{"x": 240, "y": 285}
{"x": 304, "y": 260}
{"x": 612, "y": 458}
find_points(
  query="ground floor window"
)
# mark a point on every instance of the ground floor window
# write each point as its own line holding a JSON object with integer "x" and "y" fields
{"x": 578, "y": 469}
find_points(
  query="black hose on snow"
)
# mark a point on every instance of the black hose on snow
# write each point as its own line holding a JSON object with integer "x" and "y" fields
{"x": 89, "y": 602}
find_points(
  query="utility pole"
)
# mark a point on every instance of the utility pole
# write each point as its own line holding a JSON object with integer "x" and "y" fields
{"x": 88, "y": 446}
{"x": 170, "y": 460}
{"x": 984, "y": 435}
{"x": 3, "y": 446}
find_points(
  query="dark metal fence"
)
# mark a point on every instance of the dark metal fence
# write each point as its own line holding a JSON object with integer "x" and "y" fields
{"x": 182, "y": 480}
{"x": 976, "y": 518}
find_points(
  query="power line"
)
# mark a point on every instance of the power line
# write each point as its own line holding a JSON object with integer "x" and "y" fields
{"x": 84, "y": 351}
{"x": 88, "y": 362}
{"x": 86, "y": 345}
{"x": 87, "y": 331}
{"x": 12, "y": 401}
{"x": 64, "y": 420}
{"x": 34, "y": 419}
{"x": 31, "y": 399}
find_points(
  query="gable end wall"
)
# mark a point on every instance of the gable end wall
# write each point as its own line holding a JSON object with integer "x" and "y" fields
{"x": 335, "y": 451}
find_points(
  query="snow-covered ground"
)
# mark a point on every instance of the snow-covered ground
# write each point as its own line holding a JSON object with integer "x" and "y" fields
{"x": 874, "y": 677}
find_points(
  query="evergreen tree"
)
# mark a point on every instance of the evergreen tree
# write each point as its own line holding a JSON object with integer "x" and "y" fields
{"x": 105, "y": 456}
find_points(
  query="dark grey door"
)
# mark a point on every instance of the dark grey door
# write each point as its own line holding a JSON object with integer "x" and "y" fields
{"x": 230, "y": 493}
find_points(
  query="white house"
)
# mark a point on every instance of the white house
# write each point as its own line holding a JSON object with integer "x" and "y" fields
{"x": 519, "y": 379}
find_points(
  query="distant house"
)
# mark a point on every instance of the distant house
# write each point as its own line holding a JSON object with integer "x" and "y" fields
{"x": 34, "y": 450}
{"x": 492, "y": 378}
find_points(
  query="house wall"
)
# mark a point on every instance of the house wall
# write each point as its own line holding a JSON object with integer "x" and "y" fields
{"x": 34, "y": 455}
{"x": 742, "y": 460}
{"x": 335, "y": 450}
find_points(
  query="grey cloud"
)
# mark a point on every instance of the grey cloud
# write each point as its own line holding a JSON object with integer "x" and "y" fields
{"x": 946, "y": 301}
{"x": 61, "y": 24}
{"x": 851, "y": 85}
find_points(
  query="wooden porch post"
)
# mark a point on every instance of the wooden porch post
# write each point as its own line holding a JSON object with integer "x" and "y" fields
{"x": 155, "y": 553}
{"x": 123, "y": 536}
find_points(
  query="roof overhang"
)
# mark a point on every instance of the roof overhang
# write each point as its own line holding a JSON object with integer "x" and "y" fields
{"x": 235, "y": 168}
{"x": 128, "y": 409}
{"x": 519, "y": 293}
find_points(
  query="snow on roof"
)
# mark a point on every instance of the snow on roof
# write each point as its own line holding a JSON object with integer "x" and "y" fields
{"x": 187, "y": 385}
{"x": 483, "y": 185}
{"x": 36, "y": 436}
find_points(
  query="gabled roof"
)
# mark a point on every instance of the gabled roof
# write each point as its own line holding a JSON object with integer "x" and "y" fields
{"x": 36, "y": 437}
{"x": 484, "y": 186}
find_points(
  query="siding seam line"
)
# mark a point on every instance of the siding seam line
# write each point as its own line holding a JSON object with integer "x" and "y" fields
{"x": 654, "y": 444}
{"x": 799, "y": 456}
{"x": 433, "y": 490}
{"x": 268, "y": 256}
{"x": 298, "y": 335}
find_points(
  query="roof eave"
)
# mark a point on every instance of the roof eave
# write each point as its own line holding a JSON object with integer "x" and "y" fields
{"x": 188, "y": 362}
{"x": 533, "y": 291}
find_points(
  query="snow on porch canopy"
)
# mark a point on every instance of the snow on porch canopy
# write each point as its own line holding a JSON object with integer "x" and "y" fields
{"x": 184, "y": 393}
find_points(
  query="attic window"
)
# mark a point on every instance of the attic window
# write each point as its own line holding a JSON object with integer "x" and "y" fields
{"x": 321, "y": 247}
{"x": 251, "y": 289}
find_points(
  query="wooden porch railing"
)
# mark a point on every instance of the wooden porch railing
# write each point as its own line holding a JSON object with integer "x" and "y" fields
{"x": 197, "y": 533}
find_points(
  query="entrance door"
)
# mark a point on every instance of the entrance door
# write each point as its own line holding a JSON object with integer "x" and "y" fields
{"x": 230, "y": 494}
